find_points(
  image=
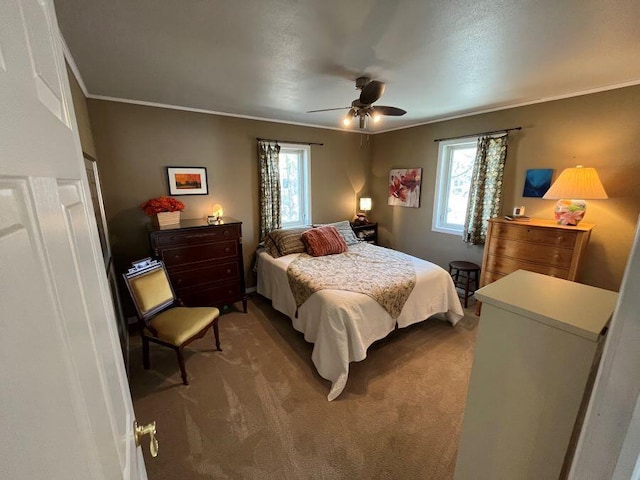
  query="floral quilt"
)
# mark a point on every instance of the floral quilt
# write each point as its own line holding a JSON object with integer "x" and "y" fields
{"x": 385, "y": 275}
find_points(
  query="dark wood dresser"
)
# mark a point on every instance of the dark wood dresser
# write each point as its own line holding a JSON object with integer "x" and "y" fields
{"x": 204, "y": 261}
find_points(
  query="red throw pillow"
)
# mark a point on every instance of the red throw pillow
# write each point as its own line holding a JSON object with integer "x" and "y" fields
{"x": 324, "y": 241}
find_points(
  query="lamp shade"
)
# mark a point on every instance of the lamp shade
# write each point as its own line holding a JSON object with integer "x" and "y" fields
{"x": 578, "y": 182}
{"x": 365, "y": 204}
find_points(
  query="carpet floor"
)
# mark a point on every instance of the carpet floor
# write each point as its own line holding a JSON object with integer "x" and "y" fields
{"x": 258, "y": 409}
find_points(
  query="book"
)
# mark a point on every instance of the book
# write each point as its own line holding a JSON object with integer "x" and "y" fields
{"x": 517, "y": 218}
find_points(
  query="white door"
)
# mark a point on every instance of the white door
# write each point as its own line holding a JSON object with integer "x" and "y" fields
{"x": 65, "y": 407}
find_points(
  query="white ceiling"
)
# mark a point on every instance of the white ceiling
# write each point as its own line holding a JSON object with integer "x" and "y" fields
{"x": 276, "y": 59}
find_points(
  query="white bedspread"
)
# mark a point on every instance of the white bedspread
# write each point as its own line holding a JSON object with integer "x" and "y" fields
{"x": 342, "y": 325}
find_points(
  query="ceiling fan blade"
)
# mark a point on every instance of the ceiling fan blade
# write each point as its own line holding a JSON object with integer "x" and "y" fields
{"x": 391, "y": 111}
{"x": 371, "y": 92}
{"x": 328, "y": 109}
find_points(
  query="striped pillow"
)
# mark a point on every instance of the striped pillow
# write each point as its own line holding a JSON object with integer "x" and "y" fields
{"x": 288, "y": 240}
{"x": 324, "y": 241}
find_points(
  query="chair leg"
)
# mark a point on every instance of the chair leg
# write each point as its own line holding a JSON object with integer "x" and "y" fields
{"x": 466, "y": 290}
{"x": 145, "y": 353}
{"x": 183, "y": 370}
{"x": 216, "y": 334}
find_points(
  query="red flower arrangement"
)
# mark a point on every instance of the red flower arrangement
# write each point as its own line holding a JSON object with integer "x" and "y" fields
{"x": 162, "y": 204}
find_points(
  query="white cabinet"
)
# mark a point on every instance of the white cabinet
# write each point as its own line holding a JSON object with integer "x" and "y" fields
{"x": 537, "y": 340}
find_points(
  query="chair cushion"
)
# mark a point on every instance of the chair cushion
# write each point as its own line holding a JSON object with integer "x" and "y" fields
{"x": 324, "y": 241}
{"x": 179, "y": 324}
{"x": 151, "y": 290}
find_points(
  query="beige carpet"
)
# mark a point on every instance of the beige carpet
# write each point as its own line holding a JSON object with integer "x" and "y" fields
{"x": 258, "y": 409}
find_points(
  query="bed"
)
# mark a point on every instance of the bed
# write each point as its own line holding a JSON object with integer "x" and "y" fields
{"x": 343, "y": 324}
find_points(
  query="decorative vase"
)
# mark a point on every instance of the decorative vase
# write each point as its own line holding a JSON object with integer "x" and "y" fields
{"x": 569, "y": 212}
{"x": 168, "y": 218}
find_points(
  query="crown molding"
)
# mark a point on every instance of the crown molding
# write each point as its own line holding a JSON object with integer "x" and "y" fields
{"x": 516, "y": 105}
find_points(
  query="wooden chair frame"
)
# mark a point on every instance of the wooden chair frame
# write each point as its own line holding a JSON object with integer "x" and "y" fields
{"x": 142, "y": 267}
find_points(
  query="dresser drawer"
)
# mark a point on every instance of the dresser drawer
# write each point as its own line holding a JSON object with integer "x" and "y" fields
{"x": 531, "y": 252}
{"x": 189, "y": 254}
{"x": 211, "y": 296}
{"x": 545, "y": 236}
{"x": 189, "y": 237}
{"x": 505, "y": 265}
{"x": 206, "y": 274}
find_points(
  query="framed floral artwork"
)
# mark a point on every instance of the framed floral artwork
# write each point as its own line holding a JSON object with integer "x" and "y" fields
{"x": 404, "y": 187}
{"x": 187, "y": 180}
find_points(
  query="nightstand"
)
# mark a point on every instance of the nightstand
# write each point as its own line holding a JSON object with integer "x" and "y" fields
{"x": 367, "y": 232}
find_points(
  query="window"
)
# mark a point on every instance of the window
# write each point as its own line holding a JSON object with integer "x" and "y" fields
{"x": 295, "y": 187}
{"x": 455, "y": 167}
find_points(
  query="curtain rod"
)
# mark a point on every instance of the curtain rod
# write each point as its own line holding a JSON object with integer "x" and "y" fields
{"x": 287, "y": 141}
{"x": 478, "y": 134}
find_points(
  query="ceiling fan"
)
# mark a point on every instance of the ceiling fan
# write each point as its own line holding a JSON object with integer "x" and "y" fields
{"x": 370, "y": 92}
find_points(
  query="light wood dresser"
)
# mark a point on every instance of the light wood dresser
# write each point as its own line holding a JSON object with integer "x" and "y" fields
{"x": 538, "y": 245}
{"x": 204, "y": 261}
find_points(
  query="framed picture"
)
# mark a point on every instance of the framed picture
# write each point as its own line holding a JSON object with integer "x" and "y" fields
{"x": 404, "y": 187}
{"x": 536, "y": 182}
{"x": 187, "y": 180}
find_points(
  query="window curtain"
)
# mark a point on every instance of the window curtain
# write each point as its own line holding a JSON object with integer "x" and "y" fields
{"x": 268, "y": 158}
{"x": 485, "y": 194}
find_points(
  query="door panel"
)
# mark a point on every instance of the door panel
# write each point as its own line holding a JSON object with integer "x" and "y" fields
{"x": 41, "y": 44}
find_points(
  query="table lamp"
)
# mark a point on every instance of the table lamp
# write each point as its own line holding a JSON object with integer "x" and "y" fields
{"x": 572, "y": 188}
{"x": 365, "y": 206}
{"x": 216, "y": 213}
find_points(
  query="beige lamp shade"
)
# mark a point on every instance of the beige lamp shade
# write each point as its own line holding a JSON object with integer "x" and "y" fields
{"x": 579, "y": 182}
{"x": 572, "y": 188}
{"x": 365, "y": 204}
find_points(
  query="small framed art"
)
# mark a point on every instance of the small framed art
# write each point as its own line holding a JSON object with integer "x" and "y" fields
{"x": 187, "y": 180}
{"x": 536, "y": 182}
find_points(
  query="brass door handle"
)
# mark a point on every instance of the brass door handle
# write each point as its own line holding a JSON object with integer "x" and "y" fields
{"x": 141, "y": 431}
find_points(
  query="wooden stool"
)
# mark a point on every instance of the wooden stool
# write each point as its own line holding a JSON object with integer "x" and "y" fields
{"x": 463, "y": 269}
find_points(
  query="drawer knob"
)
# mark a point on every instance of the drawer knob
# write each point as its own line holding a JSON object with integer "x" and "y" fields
{"x": 227, "y": 233}
{"x": 176, "y": 256}
{"x": 228, "y": 271}
{"x": 179, "y": 280}
{"x": 227, "y": 250}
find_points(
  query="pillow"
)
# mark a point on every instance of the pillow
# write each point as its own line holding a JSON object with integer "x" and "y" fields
{"x": 270, "y": 246}
{"x": 288, "y": 240}
{"x": 344, "y": 229}
{"x": 324, "y": 241}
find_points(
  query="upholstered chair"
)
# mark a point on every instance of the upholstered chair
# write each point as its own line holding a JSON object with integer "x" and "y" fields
{"x": 161, "y": 316}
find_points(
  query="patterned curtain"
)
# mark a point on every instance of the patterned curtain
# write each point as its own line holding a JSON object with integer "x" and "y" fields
{"x": 485, "y": 194}
{"x": 268, "y": 158}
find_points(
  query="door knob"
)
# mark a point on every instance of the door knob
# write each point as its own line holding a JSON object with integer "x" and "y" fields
{"x": 141, "y": 431}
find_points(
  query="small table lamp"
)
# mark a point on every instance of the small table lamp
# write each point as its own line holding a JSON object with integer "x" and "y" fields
{"x": 216, "y": 213}
{"x": 365, "y": 206}
{"x": 572, "y": 188}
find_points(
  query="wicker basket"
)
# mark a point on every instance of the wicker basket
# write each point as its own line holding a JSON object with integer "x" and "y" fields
{"x": 168, "y": 218}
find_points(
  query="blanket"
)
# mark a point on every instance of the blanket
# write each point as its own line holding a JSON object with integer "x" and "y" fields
{"x": 385, "y": 275}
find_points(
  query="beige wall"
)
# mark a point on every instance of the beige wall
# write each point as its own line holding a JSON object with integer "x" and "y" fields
{"x": 82, "y": 115}
{"x": 135, "y": 144}
{"x": 598, "y": 130}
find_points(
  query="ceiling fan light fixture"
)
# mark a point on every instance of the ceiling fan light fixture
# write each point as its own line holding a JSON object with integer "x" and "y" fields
{"x": 376, "y": 117}
{"x": 346, "y": 121}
